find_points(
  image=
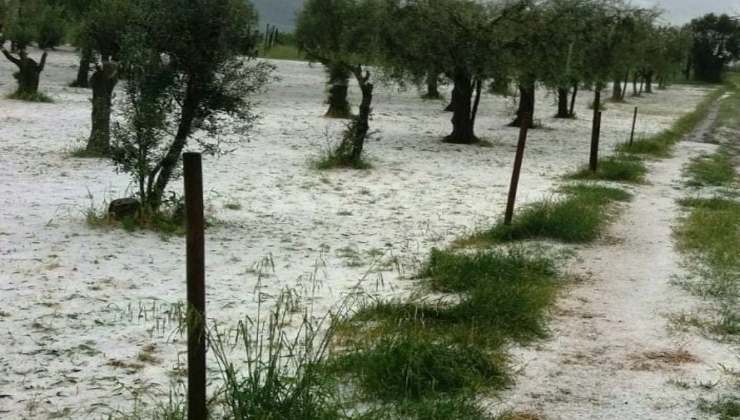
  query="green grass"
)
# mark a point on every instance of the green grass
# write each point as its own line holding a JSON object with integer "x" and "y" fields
{"x": 726, "y": 407}
{"x": 331, "y": 159}
{"x": 710, "y": 234}
{"x": 283, "y": 52}
{"x": 170, "y": 220}
{"x": 659, "y": 145}
{"x": 711, "y": 230}
{"x": 408, "y": 353}
{"x": 452, "y": 272}
{"x": 501, "y": 295}
{"x": 406, "y": 366}
{"x": 580, "y": 216}
{"x": 617, "y": 168}
{"x": 31, "y": 97}
{"x": 714, "y": 170}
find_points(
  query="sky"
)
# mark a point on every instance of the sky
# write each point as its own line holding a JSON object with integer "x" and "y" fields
{"x": 282, "y": 12}
{"x": 682, "y": 11}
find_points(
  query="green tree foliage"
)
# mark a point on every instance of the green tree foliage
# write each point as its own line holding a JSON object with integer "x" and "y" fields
{"x": 716, "y": 44}
{"x": 466, "y": 40}
{"x": 193, "y": 69}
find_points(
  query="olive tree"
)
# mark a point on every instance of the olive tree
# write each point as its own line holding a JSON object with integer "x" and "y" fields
{"x": 21, "y": 27}
{"x": 193, "y": 69}
{"x": 342, "y": 35}
{"x": 468, "y": 41}
{"x": 716, "y": 43}
{"x": 101, "y": 35}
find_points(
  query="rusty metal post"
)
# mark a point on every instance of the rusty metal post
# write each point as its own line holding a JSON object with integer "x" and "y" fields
{"x": 196, "y": 289}
{"x": 634, "y": 123}
{"x": 517, "y": 168}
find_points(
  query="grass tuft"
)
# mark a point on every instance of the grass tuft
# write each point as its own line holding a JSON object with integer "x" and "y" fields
{"x": 411, "y": 367}
{"x": 715, "y": 170}
{"x": 580, "y": 216}
{"x": 31, "y": 97}
{"x": 333, "y": 159}
{"x": 726, "y": 407}
{"x": 614, "y": 169}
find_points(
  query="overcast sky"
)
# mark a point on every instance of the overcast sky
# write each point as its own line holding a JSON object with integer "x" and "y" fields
{"x": 682, "y": 11}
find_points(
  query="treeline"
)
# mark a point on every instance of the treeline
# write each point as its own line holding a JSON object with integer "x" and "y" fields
{"x": 184, "y": 63}
{"x": 563, "y": 45}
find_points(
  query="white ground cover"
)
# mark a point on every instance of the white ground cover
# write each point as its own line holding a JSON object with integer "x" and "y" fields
{"x": 614, "y": 350}
{"x": 79, "y": 304}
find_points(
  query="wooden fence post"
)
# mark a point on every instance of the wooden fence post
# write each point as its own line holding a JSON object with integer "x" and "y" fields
{"x": 593, "y": 162}
{"x": 196, "y": 290}
{"x": 634, "y": 123}
{"x": 524, "y": 127}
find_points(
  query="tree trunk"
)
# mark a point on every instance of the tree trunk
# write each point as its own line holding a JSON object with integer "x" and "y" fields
{"x": 83, "y": 71}
{"x": 526, "y": 105}
{"x": 634, "y": 85}
{"x": 432, "y": 82}
{"x": 161, "y": 176}
{"x": 361, "y": 124}
{"x": 103, "y": 83}
{"x": 649, "y": 82}
{"x": 563, "y": 111}
{"x": 463, "y": 124}
{"x": 624, "y": 86}
{"x": 338, "y": 86}
{"x": 28, "y": 74}
{"x": 573, "y": 97}
{"x": 617, "y": 91}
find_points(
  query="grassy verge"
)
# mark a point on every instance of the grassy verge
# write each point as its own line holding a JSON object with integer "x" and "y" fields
{"x": 617, "y": 168}
{"x": 283, "y": 52}
{"x": 715, "y": 170}
{"x": 580, "y": 215}
{"x": 709, "y": 234}
{"x": 405, "y": 352}
{"x": 659, "y": 145}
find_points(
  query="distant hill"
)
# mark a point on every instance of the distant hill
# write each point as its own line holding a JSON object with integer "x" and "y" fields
{"x": 280, "y": 13}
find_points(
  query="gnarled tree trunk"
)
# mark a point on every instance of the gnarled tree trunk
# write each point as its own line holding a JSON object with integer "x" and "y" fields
{"x": 432, "y": 82}
{"x": 338, "y": 87}
{"x": 28, "y": 74}
{"x": 103, "y": 82}
{"x": 563, "y": 111}
{"x": 361, "y": 124}
{"x": 649, "y": 82}
{"x": 617, "y": 91}
{"x": 463, "y": 118}
{"x": 83, "y": 71}
{"x": 526, "y": 105}
{"x": 573, "y": 98}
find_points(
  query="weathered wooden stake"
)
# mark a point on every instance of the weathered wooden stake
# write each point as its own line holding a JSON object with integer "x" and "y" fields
{"x": 634, "y": 122}
{"x": 196, "y": 289}
{"x": 593, "y": 162}
{"x": 517, "y": 168}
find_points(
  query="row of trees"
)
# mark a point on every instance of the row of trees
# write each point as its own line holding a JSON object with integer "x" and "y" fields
{"x": 563, "y": 45}
{"x": 189, "y": 65}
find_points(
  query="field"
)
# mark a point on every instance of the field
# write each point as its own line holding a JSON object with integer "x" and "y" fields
{"x": 87, "y": 310}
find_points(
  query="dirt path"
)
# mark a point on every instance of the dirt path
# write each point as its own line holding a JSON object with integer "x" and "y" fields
{"x": 612, "y": 354}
